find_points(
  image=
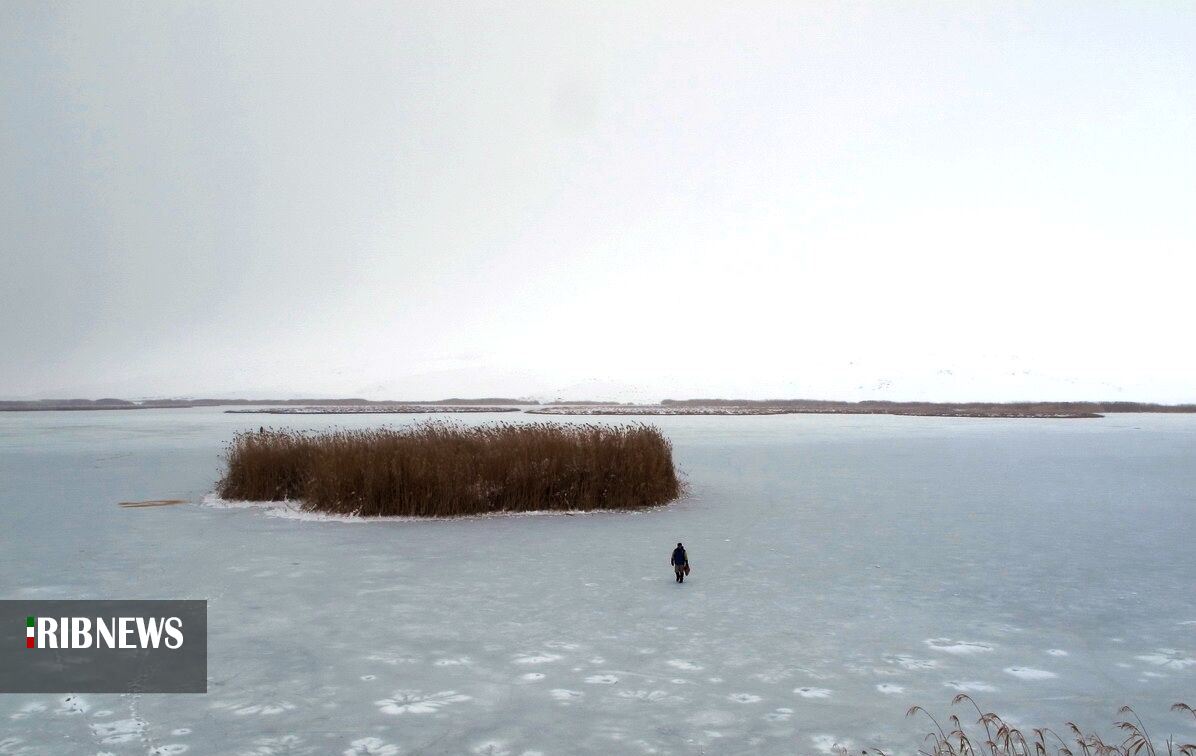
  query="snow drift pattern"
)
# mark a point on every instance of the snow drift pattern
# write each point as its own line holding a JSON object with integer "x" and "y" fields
{"x": 442, "y": 469}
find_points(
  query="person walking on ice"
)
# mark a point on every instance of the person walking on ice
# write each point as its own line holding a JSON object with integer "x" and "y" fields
{"x": 680, "y": 563}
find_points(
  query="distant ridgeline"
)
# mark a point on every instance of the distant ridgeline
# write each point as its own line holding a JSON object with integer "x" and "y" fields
{"x": 591, "y": 407}
{"x": 886, "y": 406}
{"x": 935, "y": 409}
{"x": 875, "y": 407}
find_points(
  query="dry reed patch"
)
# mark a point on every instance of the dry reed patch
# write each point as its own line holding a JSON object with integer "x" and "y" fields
{"x": 445, "y": 470}
{"x": 993, "y": 736}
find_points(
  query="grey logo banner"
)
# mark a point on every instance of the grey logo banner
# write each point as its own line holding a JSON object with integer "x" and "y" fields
{"x": 103, "y": 646}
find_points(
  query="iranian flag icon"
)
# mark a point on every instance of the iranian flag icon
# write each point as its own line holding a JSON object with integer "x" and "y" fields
{"x": 30, "y": 641}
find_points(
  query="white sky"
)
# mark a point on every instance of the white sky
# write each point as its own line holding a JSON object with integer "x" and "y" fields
{"x": 913, "y": 200}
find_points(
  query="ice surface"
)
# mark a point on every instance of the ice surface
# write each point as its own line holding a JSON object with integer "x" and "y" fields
{"x": 845, "y": 568}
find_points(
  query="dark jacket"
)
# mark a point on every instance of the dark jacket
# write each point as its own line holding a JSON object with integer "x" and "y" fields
{"x": 679, "y": 557}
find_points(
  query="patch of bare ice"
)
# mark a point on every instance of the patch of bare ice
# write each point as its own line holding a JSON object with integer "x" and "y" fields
{"x": 970, "y": 686}
{"x": 644, "y": 695}
{"x": 371, "y": 747}
{"x": 1168, "y": 658}
{"x": 949, "y": 646}
{"x": 910, "y": 663}
{"x": 415, "y": 702}
{"x": 543, "y": 658}
{"x": 1029, "y": 673}
{"x": 33, "y": 707}
{"x": 119, "y": 731}
{"x": 565, "y": 696}
{"x": 830, "y": 744}
{"x": 745, "y": 698}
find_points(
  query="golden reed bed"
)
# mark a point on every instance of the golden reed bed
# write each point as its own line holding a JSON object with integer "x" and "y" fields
{"x": 448, "y": 470}
{"x": 990, "y": 735}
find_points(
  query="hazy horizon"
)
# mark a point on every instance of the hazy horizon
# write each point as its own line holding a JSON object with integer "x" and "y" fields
{"x": 545, "y": 399}
{"x": 627, "y": 201}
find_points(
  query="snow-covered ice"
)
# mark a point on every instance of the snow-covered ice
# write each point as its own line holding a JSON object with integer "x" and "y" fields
{"x": 946, "y": 645}
{"x": 844, "y": 569}
{"x": 1029, "y": 673}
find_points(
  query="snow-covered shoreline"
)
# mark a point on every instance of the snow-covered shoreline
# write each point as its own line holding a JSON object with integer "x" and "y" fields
{"x": 290, "y": 509}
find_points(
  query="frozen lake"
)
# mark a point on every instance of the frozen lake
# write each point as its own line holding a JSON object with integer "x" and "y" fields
{"x": 845, "y": 568}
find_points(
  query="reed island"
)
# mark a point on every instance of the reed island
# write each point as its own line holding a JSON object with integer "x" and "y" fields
{"x": 447, "y": 470}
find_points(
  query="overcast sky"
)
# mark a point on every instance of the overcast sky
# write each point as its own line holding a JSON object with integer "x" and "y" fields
{"x": 608, "y": 200}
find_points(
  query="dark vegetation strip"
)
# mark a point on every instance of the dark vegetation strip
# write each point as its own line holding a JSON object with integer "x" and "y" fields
{"x": 869, "y": 407}
{"x": 980, "y": 409}
{"x": 447, "y": 470}
{"x": 61, "y": 405}
{"x": 373, "y": 409}
{"x": 764, "y": 409}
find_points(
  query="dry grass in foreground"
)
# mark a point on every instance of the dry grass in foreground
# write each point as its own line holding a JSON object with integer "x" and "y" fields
{"x": 447, "y": 470}
{"x": 992, "y": 736}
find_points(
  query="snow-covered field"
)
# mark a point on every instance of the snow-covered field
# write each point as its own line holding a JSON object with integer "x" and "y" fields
{"x": 845, "y": 568}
